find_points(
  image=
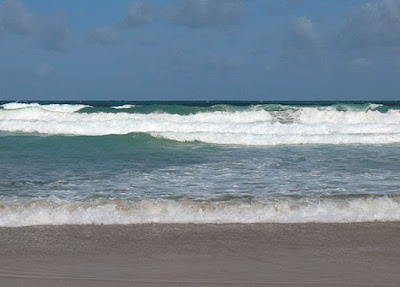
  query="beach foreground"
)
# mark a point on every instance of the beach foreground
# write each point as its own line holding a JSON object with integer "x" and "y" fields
{"x": 358, "y": 254}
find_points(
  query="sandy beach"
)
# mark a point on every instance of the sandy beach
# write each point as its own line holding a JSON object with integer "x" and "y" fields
{"x": 356, "y": 254}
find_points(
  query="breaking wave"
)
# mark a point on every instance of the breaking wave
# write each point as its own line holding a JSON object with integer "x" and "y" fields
{"x": 62, "y": 108}
{"x": 45, "y": 212}
{"x": 256, "y": 125}
{"x": 123, "y": 107}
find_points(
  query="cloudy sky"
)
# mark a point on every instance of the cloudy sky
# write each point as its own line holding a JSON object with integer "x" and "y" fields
{"x": 200, "y": 50}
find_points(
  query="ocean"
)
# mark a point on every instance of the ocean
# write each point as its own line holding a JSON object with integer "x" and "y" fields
{"x": 198, "y": 162}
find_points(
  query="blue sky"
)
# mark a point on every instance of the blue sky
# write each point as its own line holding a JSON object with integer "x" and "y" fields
{"x": 200, "y": 50}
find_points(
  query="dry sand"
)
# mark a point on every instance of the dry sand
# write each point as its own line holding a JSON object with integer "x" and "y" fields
{"x": 361, "y": 254}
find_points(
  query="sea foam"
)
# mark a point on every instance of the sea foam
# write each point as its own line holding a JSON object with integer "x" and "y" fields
{"x": 123, "y": 107}
{"x": 64, "y": 108}
{"x": 263, "y": 127}
{"x": 55, "y": 212}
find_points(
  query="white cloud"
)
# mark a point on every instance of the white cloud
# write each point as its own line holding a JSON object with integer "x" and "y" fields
{"x": 54, "y": 34}
{"x": 51, "y": 32}
{"x": 375, "y": 24}
{"x": 14, "y": 18}
{"x": 306, "y": 41}
{"x": 304, "y": 33}
{"x": 139, "y": 13}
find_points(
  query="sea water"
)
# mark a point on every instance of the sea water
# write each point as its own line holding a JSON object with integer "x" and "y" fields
{"x": 198, "y": 162}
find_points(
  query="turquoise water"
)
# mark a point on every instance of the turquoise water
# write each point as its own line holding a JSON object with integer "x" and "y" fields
{"x": 138, "y": 162}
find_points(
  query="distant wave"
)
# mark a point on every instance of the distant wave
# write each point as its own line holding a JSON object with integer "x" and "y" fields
{"x": 64, "y": 108}
{"x": 256, "y": 125}
{"x": 44, "y": 212}
{"x": 123, "y": 107}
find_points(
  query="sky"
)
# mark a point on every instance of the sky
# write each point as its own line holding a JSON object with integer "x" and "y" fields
{"x": 200, "y": 50}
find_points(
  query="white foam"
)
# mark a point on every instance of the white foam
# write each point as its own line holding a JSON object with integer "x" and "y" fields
{"x": 252, "y": 127}
{"x": 327, "y": 115}
{"x": 123, "y": 107}
{"x": 374, "y": 106}
{"x": 125, "y": 212}
{"x": 63, "y": 108}
{"x": 273, "y": 140}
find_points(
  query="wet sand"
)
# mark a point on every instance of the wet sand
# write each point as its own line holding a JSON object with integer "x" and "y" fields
{"x": 361, "y": 254}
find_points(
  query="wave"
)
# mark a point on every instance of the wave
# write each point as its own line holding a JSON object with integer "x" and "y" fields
{"x": 62, "y": 108}
{"x": 253, "y": 126}
{"x": 55, "y": 212}
{"x": 123, "y": 107}
{"x": 268, "y": 140}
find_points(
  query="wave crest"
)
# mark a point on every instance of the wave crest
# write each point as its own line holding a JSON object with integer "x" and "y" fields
{"x": 62, "y": 108}
{"x": 254, "y": 126}
{"x": 124, "y": 212}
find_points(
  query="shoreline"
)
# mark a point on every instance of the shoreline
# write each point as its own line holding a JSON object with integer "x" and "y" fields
{"x": 262, "y": 254}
